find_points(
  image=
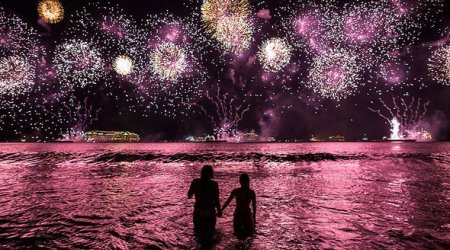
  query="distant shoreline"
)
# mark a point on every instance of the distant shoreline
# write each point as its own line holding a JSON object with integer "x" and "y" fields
{"x": 187, "y": 142}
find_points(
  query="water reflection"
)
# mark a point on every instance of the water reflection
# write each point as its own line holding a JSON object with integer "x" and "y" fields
{"x": 309, "y": 195}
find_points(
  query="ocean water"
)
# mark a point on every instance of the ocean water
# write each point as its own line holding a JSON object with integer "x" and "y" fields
{"x": 309, "y": 195}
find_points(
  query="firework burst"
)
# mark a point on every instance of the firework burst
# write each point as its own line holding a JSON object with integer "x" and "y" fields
{"x": 168, "y": 62}
{"x": 334, "y": 75}
{"x": 51, "y": 11}
{"x": 78, "y": 63}
{"x": 123, "y": 65}
{"x": 234, "y": 33}
{"x": 114, "y": 34}
{"x": 275, "y": 54}
{"x": 15, "y": 35}
{"x": 17, "y": 75}
{"x": 229, "y": 23}
{"x": 439, "y": 65}
{"x": 20, "y": 53}
{"x": 214, "y": 10}
{"x": 173, "y": 73}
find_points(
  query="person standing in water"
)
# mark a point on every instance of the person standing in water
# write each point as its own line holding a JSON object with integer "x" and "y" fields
{"x": 244, "y": 219}
{"x": 206, "y": 192}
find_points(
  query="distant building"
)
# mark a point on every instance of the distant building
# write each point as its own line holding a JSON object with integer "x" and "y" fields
{"x": 238, "y": 137}
{"x": 111, "y": 136}
{"x": 254, "y": 137}
{"x": 207, "y": 138}
{"x": 336, "y": 138}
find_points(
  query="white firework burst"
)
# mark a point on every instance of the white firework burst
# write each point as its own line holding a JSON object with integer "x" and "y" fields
{"x": 78, "y": 63}
{"x": 168, "y": 62}
{"x": 17, "y": 75}
{"x": 275, "y": 54}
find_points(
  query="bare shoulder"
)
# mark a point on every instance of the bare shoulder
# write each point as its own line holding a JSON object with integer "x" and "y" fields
{"x": 195, "y": 182}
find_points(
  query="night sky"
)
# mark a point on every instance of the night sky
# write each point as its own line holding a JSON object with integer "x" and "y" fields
{"x": 283, "y": 103}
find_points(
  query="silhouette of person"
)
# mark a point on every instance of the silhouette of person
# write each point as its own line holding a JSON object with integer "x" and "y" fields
{"x": 206, "y": 193}
{"x": 244, "y": 220}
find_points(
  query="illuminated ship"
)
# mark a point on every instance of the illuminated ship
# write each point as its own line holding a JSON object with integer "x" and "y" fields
{"x": 111, "y": 136}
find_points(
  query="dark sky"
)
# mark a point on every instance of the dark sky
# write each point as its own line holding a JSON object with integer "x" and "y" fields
{"x": 349, "y": 117}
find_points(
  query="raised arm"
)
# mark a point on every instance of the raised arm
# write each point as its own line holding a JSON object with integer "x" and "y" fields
{"x": 228, "y": 200}
{"x": 254, "y": 206}
{"x": 191, "y": 189}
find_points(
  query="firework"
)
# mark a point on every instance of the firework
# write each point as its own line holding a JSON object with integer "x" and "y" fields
{"x": 228, "y": 22}
{"x": 393, "y": 71}
{"x": 403, "y": 116}
{"x": 274, "y": 54}
{"x": 71, "y": 116}
{"x": 114, "y": 34}
{"x": 226, "y": 114}
{"x": 371, "y": 34}
{"x": 168, "y": 62}
{"x": 439, "y": 65}
{"x": 214, "y": 10}
{"x": 17, "y": 75}
{"x": 371, "y": 24}
{"x": 19, "y": 55}
{"x": 51, "y": 11}
{"x": 334, "y": 75}
{"x": 78, "y": 117}
{"x": 234, "y": 33}
{"x": 174, "y": 75}
{"x": 123, "y": 65}
{"x": 15, "y": 35}
{"x": 311, "y": 27}
{"x": 78, "y": 62}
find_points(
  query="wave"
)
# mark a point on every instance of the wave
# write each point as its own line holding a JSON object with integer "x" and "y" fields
{"x": 109, "y": 157}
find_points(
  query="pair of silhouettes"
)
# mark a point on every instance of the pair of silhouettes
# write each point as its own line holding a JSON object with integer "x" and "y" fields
{"x": 207, "y": 205}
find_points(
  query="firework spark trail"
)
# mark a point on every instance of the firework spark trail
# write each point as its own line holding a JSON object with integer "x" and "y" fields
{"x": 408, "y": 117}
{"x": 387, "y": 107}
{"x": 410, "y": 108}
{"x": 227, "y": 115}
{"x": 380, "y": 114}
{"x": 80, "y": 117}
{"x": 397, "y": 111}
{"x": 405, "y": 109}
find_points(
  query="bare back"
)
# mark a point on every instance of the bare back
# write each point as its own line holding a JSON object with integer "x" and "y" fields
{"x": 243, "y": 198}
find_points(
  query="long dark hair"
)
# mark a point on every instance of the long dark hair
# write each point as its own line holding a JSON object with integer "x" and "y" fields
{"x": 207, "y": 172}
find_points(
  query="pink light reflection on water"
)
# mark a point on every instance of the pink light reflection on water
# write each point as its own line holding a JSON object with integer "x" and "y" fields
{"x": 311, "y": 195}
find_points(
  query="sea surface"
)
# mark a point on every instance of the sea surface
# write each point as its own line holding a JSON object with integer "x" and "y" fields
{"x": 309, "y": 195}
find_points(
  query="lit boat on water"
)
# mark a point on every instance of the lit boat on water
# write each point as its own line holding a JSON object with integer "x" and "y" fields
{"x": 111, "y": 136}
